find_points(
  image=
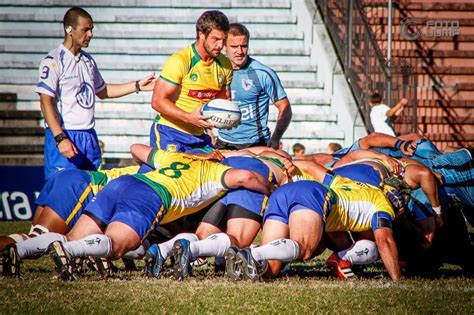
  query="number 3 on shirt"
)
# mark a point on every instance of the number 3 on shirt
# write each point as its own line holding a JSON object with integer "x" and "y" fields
{"x": 45, "y": 73}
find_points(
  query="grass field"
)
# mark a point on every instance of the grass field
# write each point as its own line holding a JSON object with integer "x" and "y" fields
{"x": 306, "y": 289}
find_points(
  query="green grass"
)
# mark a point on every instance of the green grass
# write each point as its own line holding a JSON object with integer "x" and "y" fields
{"x": 307, "y": 289}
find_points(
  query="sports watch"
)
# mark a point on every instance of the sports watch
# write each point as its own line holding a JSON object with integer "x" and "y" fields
{"x": 60, "y": 137}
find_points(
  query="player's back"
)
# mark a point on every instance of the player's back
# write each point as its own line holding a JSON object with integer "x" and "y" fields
{"x": 355, "y": 205}
{"x": 185, "y": 183}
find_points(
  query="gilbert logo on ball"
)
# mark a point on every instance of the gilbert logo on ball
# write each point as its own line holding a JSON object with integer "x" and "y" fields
{"x": 224, "y": 113}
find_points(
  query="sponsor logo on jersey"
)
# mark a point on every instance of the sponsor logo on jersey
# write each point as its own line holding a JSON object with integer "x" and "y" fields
{"x": 247, "y": 84}
{"x": 85, "y": 96}
{"x": 202, "y": 94}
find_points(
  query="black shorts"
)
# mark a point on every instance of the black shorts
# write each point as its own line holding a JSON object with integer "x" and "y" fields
{"x": 219, "y": 214}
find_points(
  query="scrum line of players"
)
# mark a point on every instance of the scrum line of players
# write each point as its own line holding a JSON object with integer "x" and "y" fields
{"x": 313, "y": 210}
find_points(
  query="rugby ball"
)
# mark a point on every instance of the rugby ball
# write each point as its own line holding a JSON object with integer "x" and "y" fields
{"x": 224, "y": 114}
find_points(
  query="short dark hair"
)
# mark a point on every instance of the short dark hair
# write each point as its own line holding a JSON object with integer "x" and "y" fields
{"x": 298, "y": 147}
{"x": 238, "y": 29}
{"x": 334, "y": 146}
{"x": 210, "y": 20}
{"x": 375, "y": 98}
{"x": 71, "y": 18}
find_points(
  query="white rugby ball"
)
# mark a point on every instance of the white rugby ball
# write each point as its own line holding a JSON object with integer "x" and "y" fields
{"x": 224, "y": 114}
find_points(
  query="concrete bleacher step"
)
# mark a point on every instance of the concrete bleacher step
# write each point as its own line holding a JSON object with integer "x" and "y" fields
{"x": 21, "y": 149}
{"x": 20, "y": 119}
{"x": 158, "y": 4}
{"x": 25, "y": 94}
{"x": 293, "y": 78}
{"x": 137, "y": 45}
{"x": 133, "y": 38}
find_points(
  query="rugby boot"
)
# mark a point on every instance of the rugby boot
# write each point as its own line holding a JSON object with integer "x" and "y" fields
{"x": 232, "y": 269}
{"x": 105, "y": 267}
{"x": 63, "y": 261}
{"x": 154, "y": 262}
{"x": 10, "y": 261}
{"x": 182, "y": 259}
{"x": 341, "y": 268}
{"x": 200, "y": 262}
{"x": 251, "y": 268}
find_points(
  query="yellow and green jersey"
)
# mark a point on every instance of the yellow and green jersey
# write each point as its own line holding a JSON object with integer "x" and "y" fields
{"x": 101, "y": 178}
{"x": 301, "y": 175}
{"x": 199, "y": 82}
{"x": 185, "y": 183}
{"x": 355, "y": 205}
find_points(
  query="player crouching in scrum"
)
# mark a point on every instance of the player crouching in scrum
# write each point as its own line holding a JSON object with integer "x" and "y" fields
{"x": 294, "y": 224}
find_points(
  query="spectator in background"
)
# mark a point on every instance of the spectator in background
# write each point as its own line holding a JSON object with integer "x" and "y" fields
{"x": 68, "y": 84}
{"x": 254, "y": 86}
{"x": 333, "y": 147}
{"x": 381, "y": 115}
{"x": 298, "y": 149}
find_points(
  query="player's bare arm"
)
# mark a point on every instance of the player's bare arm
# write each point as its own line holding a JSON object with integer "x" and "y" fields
{"x": 283, "y": 121}
{"x": 118, "y": 90}
{"x": 141, "y": 154}
{"x": 386, "y": 141}
{"x": 162, "y": 101}
{"x": 420, "y": 176}
{"x": 388, "y": 251}
{"x": 66, "y": 147}
{"x": 235, "y": 178}
{"x": 370, "y": 154}
{"x": 314, "y": 169}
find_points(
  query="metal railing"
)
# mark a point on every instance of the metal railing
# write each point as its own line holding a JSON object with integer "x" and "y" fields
{"x": 365, "y": 66}
{"x": 359, "y": 32}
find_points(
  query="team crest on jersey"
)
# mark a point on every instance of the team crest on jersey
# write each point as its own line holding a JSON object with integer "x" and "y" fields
{"x": 247, "y": 84}
{"x": 193, "y": 77}
{"x": 85, "y": 96}
{"x": 171, "y": 148}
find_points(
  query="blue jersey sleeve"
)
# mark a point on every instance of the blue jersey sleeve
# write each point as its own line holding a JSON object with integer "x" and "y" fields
{"x": 272, "y": 85}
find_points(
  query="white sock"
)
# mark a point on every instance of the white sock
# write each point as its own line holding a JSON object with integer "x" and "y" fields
{"x": 214, "y": 245}
{"x": 360, "y": 253}
{"x": 166, "y": 248}
{"x": 38, "y": 245}
{"x": 96, "y": 245}
{"x": 138, "y": 253}
{"x": 284, "y": 249}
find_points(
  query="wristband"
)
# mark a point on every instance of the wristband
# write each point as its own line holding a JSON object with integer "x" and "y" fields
{"x": 60, "y": 137}
{"x": 137, "y": 86}
{"x": 398, "y": 144}
{"x": 437, "y": 210}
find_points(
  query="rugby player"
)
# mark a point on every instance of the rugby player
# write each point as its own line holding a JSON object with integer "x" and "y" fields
{"x": 238, "y": 214}
{"x": 294, "y": 223}
{"x": 129, "y": 208}
{"x": 190, "y": 77}
{"x": 61, "y": 202}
